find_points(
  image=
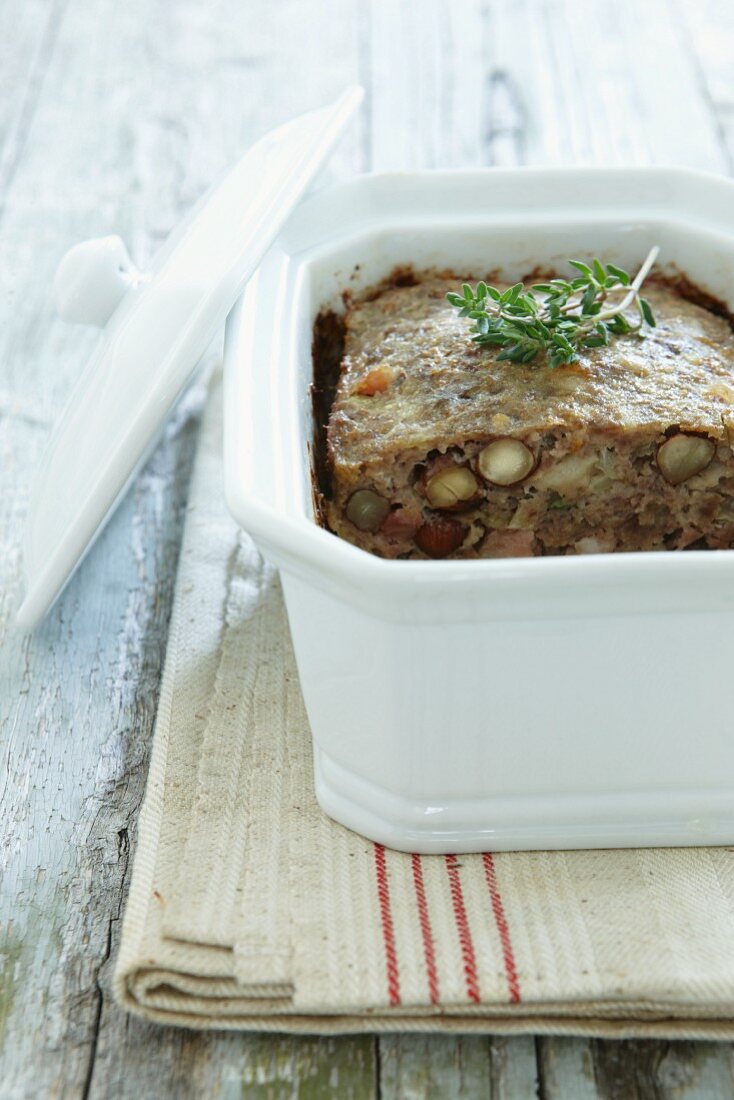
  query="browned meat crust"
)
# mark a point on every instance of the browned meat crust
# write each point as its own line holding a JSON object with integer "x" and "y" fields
{"x": 417, "y": 407}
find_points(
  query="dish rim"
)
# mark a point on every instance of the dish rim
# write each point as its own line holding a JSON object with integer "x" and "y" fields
{"x": 298, "y": 543}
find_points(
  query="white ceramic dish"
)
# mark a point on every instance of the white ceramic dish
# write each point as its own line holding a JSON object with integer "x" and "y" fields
{"x": 455, "y": 705}
{"x": 468, "y": 705}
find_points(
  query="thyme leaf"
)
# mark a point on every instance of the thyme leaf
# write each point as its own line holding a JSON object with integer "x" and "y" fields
{"x": 560, "y": 316}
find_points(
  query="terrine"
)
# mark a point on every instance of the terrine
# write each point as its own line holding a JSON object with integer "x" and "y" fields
{"x": 438, "y": 447}
{"x": 459, "y": 705}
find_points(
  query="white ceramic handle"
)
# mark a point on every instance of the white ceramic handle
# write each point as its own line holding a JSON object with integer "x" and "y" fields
{"x": 92, "y": 280}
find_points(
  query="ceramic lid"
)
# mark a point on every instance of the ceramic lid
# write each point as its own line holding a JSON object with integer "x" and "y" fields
{"x": 156, "y": 328}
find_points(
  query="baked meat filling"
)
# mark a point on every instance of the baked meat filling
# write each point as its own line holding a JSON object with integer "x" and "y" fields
{"x": 438, "y": 448}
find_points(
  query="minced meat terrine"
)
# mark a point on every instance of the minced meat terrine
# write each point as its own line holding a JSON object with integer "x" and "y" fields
{"x": 437, "y": 449}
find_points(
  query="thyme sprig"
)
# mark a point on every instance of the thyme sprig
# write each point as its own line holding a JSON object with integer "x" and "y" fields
{"x": 560, "y": 316}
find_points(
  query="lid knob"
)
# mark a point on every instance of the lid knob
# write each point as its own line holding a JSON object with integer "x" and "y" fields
{"x": 92, "y": 279}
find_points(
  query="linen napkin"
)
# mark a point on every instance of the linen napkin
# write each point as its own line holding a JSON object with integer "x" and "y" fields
{"x": 250, "y": 909}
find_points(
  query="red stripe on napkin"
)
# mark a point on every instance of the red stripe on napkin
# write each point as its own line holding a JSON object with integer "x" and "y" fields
{"x": 498, "y": 910}
{"x": 388, "y": 931}
{"x": 424, "y": 920}
{"x": 462, "y": 927}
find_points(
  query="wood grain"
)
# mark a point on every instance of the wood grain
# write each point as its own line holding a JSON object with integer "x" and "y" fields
{"x": 114, "y": 117}
{"x": 419, "y": 1065}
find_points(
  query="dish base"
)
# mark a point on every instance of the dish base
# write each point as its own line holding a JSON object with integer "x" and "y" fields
{"x": 644, "y": 819}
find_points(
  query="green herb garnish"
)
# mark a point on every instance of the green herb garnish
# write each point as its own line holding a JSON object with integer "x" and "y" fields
{"x": 581, "y": 313}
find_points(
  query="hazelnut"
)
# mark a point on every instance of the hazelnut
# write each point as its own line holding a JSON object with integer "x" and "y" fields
{"x": 681, "y": 456}
{"x": 440, "y": 538}
{"x": 401, "y": 523}
{"x": 452, "y": 488}
{"x": 505, "y": 461}
{"x": 366, "y": 510}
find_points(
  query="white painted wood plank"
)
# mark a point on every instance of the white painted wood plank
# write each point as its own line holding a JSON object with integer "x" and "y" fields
{"x": 514, "y": 1069}
{"x": 139, "y": 107}
{"x": 696, "y": 1071}
{"x": 636, "y": 1070}
{"x": 416, "y": 1066}
{"x": 603, "y": 83}
{"x": 567, "y": 1069}
{"x": 709, "y": 28}
{"x": 423, "y": 68}
{"x": 30, "y": 35}
{"x": 171, "y": 1062}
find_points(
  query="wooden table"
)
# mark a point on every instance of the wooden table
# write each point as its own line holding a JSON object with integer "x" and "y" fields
{"x": 114, "y": 116}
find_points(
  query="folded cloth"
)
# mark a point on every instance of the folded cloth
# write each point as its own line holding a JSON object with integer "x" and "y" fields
{"x": 250, "y": 909}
